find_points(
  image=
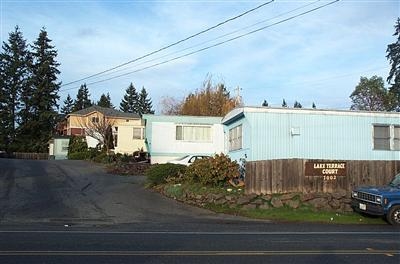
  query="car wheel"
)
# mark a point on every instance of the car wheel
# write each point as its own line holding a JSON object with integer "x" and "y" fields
{"x": 393, "y": 216}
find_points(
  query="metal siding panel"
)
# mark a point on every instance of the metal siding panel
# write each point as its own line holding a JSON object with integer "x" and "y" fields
{"x": 321, "y": 136}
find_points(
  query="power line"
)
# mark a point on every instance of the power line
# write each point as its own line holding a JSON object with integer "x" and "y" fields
{"x": 211, "y": 46}
{"x": 214, "y": 39}
{"x": 173, "y": 44}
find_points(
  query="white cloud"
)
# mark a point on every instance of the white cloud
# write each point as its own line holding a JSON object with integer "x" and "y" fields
{"x": 284, "y": 61}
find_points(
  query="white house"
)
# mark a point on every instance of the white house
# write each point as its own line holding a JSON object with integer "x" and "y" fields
{"x": 171, "y": 137}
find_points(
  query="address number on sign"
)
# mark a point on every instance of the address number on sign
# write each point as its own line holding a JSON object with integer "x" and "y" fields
{"x": 330, "y": 178}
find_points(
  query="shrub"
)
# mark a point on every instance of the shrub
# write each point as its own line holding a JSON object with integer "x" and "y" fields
{"x": 77, "y": 144}
{"x": 175, "y": 190}
{"x": 212, "y": 171}
{"x": 77, "y": 156}
{"x": 158, "y": 174}
{"x": 92, "y": 153}
{"x": 102, "y": 157}
{"x": 77, "y": 148}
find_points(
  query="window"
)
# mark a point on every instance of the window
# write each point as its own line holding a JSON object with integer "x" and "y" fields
{"x": 386, "y": 137}
{"x": 382, "y": 137}
{"x": 115, "y": 136}
{"x": 396, "y": 138}
{"x": 95, "y": 120}
{"x": 235, "y": 138}
{"x": 138, "y": 133}
{"x": 115, "y": 141}
{"x": 193, "y": 133}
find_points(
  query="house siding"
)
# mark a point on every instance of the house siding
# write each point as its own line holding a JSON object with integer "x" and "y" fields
{"x": 162, "y": 143}
{"x": 126, "y": 144}
{"x": 287, "y": 134}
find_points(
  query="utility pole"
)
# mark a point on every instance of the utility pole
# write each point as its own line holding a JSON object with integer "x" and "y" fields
{"x": 238, "y": 98}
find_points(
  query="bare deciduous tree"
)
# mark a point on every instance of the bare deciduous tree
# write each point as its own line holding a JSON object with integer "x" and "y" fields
{"x": 99, "y": 127}
{"x": 170, "y": 105}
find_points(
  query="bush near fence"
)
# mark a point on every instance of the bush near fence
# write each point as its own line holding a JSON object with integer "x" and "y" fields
{"x": 288, "y": 176}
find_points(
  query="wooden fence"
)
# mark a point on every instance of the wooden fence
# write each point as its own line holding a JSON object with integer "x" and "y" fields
{"x": 31, "y": 156}
{"x": 289, "y": 175}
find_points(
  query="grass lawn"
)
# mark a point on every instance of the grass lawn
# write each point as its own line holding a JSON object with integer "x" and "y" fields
{"x": 303, "y": 214}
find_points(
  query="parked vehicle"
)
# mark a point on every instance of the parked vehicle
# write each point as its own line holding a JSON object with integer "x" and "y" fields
{"x": 384, "y": 201}
{"x": 189, "y": 159}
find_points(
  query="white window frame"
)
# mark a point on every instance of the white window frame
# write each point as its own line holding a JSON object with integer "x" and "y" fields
{"x": 191, "y": 133}
{"x": 235, "y": 138}
{"x": 396, "y": 137}
{"x": 135, "y": 136}
{"x": 392, "y": 139}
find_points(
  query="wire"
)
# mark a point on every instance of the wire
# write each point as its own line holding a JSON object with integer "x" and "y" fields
{"x": 211, "y": 40}
{"x": 173, "y": 44}
{"x": 212, "y": 46}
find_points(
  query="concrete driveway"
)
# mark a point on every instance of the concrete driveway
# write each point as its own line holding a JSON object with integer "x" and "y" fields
{"x": 78, "y": 192}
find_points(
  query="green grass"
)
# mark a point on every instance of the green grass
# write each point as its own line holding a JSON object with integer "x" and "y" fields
{"x": 302, "y": 214}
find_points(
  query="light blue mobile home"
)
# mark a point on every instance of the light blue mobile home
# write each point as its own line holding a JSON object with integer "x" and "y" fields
{"x": 262, "y": 133}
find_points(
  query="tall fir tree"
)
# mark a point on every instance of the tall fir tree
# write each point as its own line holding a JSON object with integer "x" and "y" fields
{"x": 265, "y": 103}
{"x": 145, "y": 104}
{"x": 393, "y": 55}
{"x": 45, "y": 94}
{"x": 15, "y": 76}
{"x": 105, "y": 101}
{"x": 297, "y": 105}
{"x": 284, "y": 104}
{"x": 130, "y": 102}
{"x": 82, "y": 100}
{"x": 68, "y": 106}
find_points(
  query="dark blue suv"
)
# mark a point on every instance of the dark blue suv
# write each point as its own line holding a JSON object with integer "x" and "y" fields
{"x": 384, "y": 201}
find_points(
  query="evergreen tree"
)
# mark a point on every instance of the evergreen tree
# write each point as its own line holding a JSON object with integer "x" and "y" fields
{"x": 45, "y": 94}
{"x": 82, "y": 100}
{"x": 145, "y": 104}
{"x": 68, "y": 106}
{"x": 130, "y": 102}
{"x": 393, "y": 55}
{"x": 297, "y": 105}
{"x": 105, "y": 101}
{"x": 314, "y": 106}
{"x": 284, "y": 104}
{"x": 14, "y": 79}
{"x": 265, "y": 103}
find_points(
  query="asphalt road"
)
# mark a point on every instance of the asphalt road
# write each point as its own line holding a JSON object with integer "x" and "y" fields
{"x": 72, "y": 211}
{"x": 81, "y": 193}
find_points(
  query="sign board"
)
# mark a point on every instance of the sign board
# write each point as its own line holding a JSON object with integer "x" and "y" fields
{"x": 325, "y": 168}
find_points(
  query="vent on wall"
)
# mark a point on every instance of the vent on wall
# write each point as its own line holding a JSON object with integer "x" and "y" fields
{"x": 295, "y": 131}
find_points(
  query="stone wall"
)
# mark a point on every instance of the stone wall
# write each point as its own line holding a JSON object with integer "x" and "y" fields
{"x": 335, "y": 202}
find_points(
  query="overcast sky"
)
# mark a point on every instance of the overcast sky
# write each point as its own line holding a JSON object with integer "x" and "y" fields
{"x": 317, "y": 57}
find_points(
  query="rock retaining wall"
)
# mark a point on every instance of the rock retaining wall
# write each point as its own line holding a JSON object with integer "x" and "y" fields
{"x": 336, "y": 202}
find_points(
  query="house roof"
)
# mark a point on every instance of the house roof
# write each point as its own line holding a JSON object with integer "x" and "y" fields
{"x": 105, "y": 111}
{"x": 183, "y": 119}
{"x": 240, "y": 112}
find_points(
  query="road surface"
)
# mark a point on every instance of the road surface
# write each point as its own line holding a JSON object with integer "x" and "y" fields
{"x": 74, "y": 212}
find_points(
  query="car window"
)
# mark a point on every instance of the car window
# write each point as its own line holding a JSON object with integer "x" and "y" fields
{"x": 396, "y": 181}
{"x": 182, "y": 158}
